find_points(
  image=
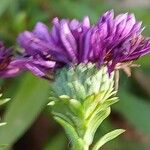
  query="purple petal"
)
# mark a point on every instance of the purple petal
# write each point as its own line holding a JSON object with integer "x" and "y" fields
{"x": 68, "y": 40}
{"x": 41, "y": 31}
{"x": 10, "y": 72}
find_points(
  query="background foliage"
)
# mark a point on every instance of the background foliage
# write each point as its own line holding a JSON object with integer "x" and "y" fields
{"x": 29, "y": 123}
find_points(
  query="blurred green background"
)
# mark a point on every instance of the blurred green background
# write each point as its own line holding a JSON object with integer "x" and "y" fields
{"x": 30, "y": 124}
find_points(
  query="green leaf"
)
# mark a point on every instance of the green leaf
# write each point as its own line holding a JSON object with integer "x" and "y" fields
{"x": 76, "y": 107}
{"x": 1, "y": 103}
{"x": 24, "y": 108}
{"x": 69, "y": 129}
{"x": 62, "y": 116}
{"x": 100, "y": 107}
{"x": 2, "y": 124}
{"x": 107, "y": 137}
{"x": 91, "y": 102}
{"x": 4, "y": 101}
{"x": 94, "y": 124}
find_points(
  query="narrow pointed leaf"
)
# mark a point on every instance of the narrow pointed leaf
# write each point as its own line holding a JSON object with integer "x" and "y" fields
{"x": 94, "y": 124}
{"x": 4, "y": 101}
{"x": 2, "y": 124}
{"x": 107, "y": 137}
{"x": 69, "y": 129}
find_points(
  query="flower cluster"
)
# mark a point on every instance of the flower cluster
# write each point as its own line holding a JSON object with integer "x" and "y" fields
{"x": 111, "y": 41}
{"x": 7, "y": 69}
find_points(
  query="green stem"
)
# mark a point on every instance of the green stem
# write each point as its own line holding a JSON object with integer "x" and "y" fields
{"x": 80, "y": 145}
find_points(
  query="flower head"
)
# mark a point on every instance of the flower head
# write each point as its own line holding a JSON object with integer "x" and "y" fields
{"x": 46, "y": 49}
{"x": 6, "y": 69}
{"x": 118, "y": 39}
{"x": 113, "y": 40}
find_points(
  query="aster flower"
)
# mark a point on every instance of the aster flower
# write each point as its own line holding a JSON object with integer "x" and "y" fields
{"x": 45, "y": 50}
{"x": 118, "y": 39}
{"x": 6, "y": 69}
{"x": 112, "y": 41}
{"x": 83, "y": 89}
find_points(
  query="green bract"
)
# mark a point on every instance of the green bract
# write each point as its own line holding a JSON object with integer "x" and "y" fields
{"x": 80, "y": 101}
{"x": 80, "y": 81}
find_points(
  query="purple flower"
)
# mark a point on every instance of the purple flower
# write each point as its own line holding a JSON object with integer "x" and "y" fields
{"x": 6, "y": 69}
{"x": 46, "y": 50}
{"x": 113, "y": 40}
{"x": 118, "y": 39}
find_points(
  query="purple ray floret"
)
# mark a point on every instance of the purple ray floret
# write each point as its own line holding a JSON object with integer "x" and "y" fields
{"x": 111, "y": 41}
{"x": 45, "y": 50}
{"x": 118, "y": 39}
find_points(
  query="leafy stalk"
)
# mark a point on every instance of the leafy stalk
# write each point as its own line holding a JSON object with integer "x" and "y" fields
{"x": 81, "y": 101}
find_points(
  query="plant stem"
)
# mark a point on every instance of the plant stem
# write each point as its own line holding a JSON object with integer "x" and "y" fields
{"x": 80, "y": 145}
